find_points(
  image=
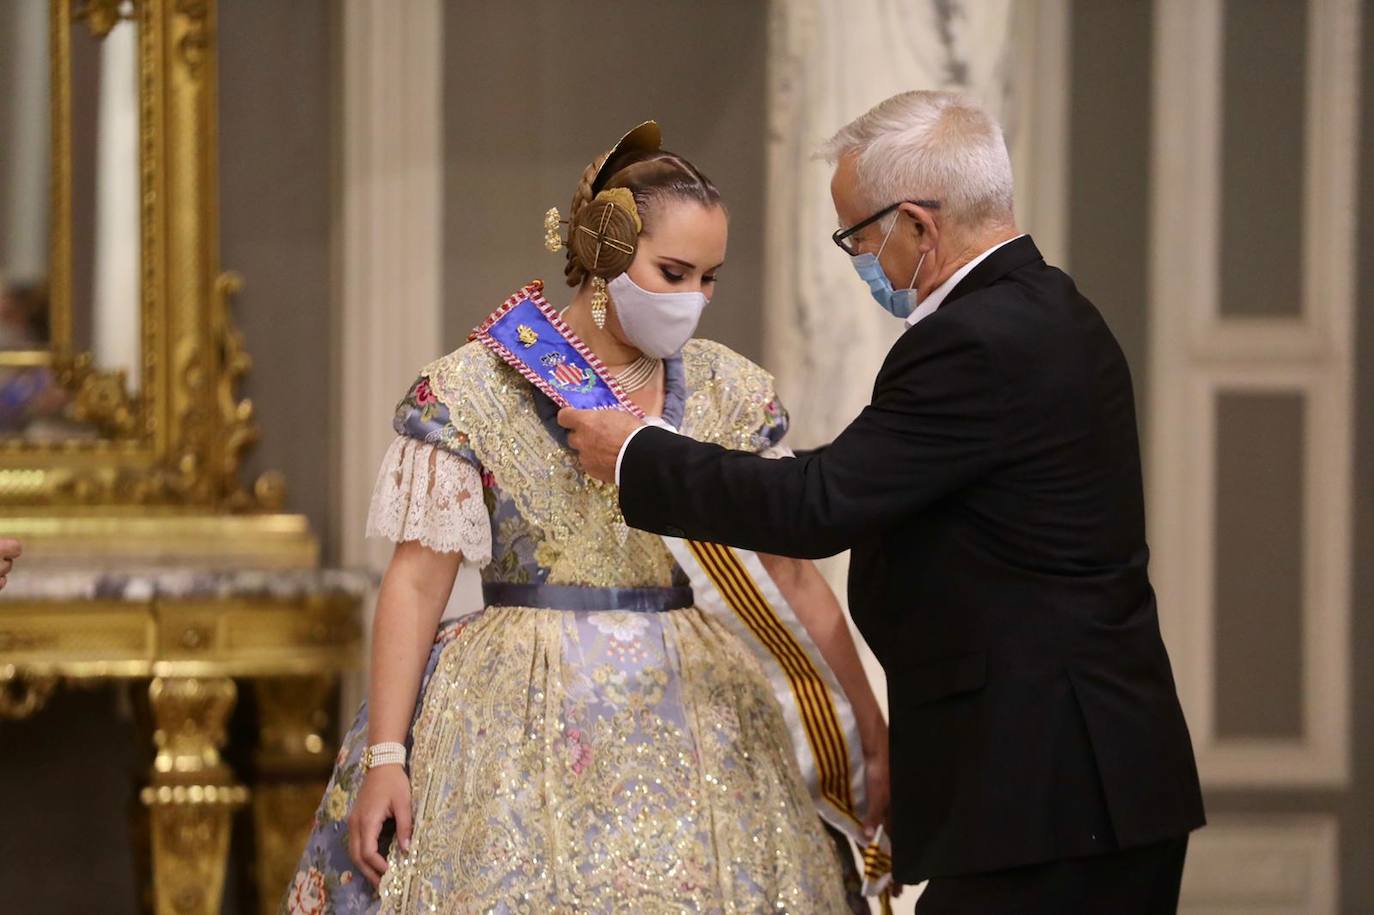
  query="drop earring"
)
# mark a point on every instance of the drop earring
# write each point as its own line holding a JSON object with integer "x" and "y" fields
{"x": 599, "y": 299}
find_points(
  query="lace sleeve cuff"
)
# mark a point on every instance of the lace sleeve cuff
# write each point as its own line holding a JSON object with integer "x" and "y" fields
{"x": 428, "y": 494}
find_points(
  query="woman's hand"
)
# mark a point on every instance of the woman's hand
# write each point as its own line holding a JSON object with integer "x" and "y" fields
{"x": 877, "y": 780}
{"x": 385, "y": 795}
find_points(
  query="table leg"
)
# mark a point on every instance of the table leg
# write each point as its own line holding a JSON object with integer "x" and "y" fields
{"x": 193, "y": 793}
{"x": 293, "y": 762}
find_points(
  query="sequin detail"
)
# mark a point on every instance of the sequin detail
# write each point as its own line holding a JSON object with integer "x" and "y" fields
{"x": 573, "y": 515}
{"x": 606, "y": 763}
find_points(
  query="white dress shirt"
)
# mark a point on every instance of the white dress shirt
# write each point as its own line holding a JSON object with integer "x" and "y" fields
{"x": 924, "y": 309}
{"x": 937, "y": 296}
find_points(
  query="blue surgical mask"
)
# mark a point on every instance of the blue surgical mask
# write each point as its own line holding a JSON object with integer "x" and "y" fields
{"x": 899, "y": 302}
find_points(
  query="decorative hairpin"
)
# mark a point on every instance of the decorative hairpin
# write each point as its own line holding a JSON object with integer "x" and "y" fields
{"x": 552, "y": 240}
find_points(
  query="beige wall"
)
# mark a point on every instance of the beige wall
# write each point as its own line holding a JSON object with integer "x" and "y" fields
{"x": 1109, "y": 165}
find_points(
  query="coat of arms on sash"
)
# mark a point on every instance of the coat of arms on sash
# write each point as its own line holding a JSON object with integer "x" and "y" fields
{"x": 530, "y": 336}
{"x": 567, "y": 377}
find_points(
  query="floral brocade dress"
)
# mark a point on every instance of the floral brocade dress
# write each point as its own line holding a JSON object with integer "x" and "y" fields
{"x": 568, "y": 755}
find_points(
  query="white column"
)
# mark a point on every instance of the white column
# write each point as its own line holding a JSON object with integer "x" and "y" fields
{"x": 390, "y": 246}
{"x": 1039, "y": 132}
{"x": 391, "y": 240}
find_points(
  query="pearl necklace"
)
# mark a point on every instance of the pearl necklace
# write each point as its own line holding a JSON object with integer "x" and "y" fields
{"x": 638, "y": 373}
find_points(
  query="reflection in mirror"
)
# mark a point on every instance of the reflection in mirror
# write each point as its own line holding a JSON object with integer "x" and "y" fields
{"x": 25, "y": 160}
{"x": 32, "y": 403}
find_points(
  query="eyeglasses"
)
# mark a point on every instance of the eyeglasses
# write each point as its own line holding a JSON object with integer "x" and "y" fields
{"x": 842, "y": 237}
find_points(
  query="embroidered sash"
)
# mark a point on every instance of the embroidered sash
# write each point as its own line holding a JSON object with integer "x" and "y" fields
{"x": 529, "y": 336}
{"x": 732, "y": 585}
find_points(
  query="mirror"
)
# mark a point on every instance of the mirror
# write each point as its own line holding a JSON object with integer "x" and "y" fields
{"x": 119, "y": 378}
{"x": 69, "y": 274}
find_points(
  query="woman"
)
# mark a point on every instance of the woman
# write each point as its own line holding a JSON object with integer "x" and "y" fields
{"x": 588, "y": 740}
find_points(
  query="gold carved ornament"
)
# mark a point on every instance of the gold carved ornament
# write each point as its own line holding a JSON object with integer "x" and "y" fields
{"x": 180, "y": 440}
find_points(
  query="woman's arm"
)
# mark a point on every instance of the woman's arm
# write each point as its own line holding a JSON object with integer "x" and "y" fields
{"x": 810, "y": 596}
{"x": 413, "y": 595}
{"x": 414, "y": 592}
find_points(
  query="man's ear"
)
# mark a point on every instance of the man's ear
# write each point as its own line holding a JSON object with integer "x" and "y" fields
{"x": 921, "y": 222}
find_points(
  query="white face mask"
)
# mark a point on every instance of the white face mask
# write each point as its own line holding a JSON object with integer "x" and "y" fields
{"x": 659, "y": 324}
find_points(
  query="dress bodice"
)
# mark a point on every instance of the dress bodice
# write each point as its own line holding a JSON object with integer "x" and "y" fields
{"x": 547, "y": 521}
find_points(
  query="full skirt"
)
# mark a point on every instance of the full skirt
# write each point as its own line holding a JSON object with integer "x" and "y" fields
{"x": 589, "y": 762}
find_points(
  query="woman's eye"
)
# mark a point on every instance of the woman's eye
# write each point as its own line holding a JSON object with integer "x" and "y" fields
{"x": 670, "y": 276}
{"x": 709, "y": 279}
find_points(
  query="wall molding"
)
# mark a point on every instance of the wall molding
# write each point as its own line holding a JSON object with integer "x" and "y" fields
{"x": 1195, "y": 353}
{"x": 1263, "y": 866}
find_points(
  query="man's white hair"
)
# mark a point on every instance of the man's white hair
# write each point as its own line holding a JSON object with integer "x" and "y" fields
{"x": 927, "y": 145}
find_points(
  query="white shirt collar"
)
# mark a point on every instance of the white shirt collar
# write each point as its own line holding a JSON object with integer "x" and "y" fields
{"x": 931, "y": 302}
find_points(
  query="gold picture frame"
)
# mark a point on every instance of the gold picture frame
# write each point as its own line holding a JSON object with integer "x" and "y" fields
{"x": 176, "y": 446}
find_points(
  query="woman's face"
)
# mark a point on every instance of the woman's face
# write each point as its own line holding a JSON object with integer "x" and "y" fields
{"x": 683, "y": 253}
{"x": 685, "y": 250}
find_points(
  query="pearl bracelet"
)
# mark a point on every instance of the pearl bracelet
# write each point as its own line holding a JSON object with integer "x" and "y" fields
{"x": 384, "y": 754}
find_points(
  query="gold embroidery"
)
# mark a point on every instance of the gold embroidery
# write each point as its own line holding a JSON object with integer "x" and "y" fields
{"x": 728, "y": 396}
{"x": 584, "y": 540}
{"x": 547, "y": 781}
{"x": 572, "y": 514}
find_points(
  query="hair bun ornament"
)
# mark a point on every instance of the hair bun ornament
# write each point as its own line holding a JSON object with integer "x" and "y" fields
{"x": 605, "y": 233}
{"x": 552, "y": 220}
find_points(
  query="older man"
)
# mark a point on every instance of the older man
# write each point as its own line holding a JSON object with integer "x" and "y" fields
{"x": 991, "y": 497}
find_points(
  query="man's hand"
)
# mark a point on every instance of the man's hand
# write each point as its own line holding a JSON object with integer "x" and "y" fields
{"x": 597, "y": 436}
{"x": 10, "y": 550}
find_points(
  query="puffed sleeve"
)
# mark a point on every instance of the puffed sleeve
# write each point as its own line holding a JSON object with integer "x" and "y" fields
{"x": 429, "y": 488}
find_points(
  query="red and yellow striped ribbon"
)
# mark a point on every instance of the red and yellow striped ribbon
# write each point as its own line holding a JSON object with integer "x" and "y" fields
{"x": 819, "y": 719}
{"x": 822, "y": 723}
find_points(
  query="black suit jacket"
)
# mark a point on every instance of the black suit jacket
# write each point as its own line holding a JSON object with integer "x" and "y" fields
{"x": 991, "y": 496}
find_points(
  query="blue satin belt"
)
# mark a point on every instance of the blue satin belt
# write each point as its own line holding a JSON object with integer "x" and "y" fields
{"x": 574, "y": 597}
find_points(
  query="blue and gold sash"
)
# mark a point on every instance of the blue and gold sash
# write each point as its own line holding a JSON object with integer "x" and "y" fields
{"x": 533, "y": 339}
{"x": 529, "y": 335}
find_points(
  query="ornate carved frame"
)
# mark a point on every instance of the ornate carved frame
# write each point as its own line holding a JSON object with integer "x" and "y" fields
{"x": 177, "y": 444}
